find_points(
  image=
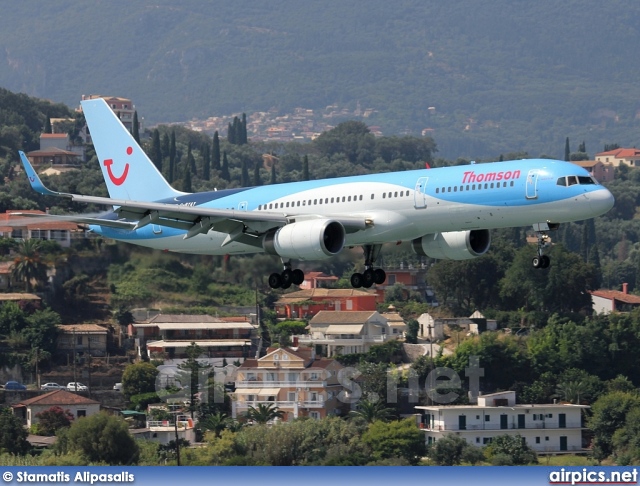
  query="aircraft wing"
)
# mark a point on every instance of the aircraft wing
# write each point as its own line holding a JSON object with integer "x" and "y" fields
{"x": 193, "y": 219}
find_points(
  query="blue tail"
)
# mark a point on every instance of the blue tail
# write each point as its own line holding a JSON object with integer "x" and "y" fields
{"x": 127, "y": 171}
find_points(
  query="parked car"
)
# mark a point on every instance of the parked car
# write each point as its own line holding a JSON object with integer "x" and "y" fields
{"x": 117, "y": 387}
{"x": 14, "y": 385}
{"x": 52, "y": 386}
{"x": 76, "y": 385}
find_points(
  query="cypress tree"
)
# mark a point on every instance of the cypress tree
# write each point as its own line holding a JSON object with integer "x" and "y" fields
{"x": 243, "y": 127}
{"x": 225, "y": 168}
{"x": 257, "y": 180}
{"x": 273, "y": 174}
{"x": 186, "y": 182}
{"x": 191, "y": 161}
{"x": 231, "y": 134}
{"x": 206, "y": 162}
{"x": 165, "y": 147}
{"x": 245, "y": 174}
{"x": 215, "y": 156}
{"x": 135, "y": 128}
{"x": 567, "y": 150}
{"x": 156, "y": 151}
{"x": 584, "y": 243}
{"x": 305, "y": 168}
{"x": 172, "y": 157}
{"x": 47, "y": 126}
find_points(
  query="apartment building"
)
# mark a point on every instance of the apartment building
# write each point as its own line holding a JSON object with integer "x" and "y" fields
{"x": 547, "y": 429}
{"x": 293, "y": 379}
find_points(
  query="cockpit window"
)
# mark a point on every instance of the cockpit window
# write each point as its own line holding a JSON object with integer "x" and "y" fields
{"x": 572, "y": 180}
{"x": 586, "y": 180}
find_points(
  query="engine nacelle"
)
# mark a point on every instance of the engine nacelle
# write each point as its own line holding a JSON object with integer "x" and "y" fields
{"x": 314, "y": 239}
{"x": 453, "y": 245}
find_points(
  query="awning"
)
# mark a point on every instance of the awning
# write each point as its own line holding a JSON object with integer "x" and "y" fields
{"x": 344, "y": 329}
{"x": 268, "y": 391}
{"x": 247, "y": 391}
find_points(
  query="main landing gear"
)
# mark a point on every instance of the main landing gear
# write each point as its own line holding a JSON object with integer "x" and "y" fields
{"x": 541, "y": 260}
{"x": 287, "y": 278}
{"x": 370, "y": 275}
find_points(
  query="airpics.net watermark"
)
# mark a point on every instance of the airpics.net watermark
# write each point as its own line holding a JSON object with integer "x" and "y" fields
{"x": 442, "y": 385}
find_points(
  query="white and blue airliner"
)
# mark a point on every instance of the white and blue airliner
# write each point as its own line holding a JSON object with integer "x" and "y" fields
{"x": 444, "y": 212}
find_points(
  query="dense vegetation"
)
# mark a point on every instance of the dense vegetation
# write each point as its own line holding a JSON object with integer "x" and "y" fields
{"x": 557, "y": 349}
{"x": 501, "y": 76}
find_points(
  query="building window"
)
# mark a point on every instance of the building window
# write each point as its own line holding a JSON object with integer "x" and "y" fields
{"x": 487, "y": 418}
{"x": 537, "y": 440}
{"x": 81, "y": 413}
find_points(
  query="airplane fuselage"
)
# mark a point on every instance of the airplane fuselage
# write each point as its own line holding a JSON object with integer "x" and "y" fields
{"x": 401, "y": 206}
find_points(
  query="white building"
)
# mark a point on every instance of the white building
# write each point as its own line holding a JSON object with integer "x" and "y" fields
{"x": 549, "y": 428}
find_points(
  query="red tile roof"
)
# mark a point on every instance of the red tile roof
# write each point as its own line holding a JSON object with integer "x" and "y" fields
{"x": 617, "y": 295}
{"x": 57, "y": 397}
{"x": 621, "y": 153}
{"x": 32, "y": 223}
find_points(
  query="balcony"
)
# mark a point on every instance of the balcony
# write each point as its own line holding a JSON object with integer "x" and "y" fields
{"x": 456, "y": 428}
{"x": 340, "y": 340}
{"x": 281, "y": 384}
{"x": 281, "y": 404}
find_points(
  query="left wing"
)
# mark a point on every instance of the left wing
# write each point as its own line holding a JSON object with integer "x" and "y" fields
{"x": 241, "y": 226}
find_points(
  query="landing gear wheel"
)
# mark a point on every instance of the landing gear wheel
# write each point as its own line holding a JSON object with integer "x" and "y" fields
{"x": 287, "y": 278}
{"x": 368, "y": 278}
{"x": 537, "y": 262}
{"x": 275, "y": 281}
{"x": 379, "y": 276}
{"x": 546, "y": 261}
{"x": 357, "y": 280}
{"x": 298, "y": 277}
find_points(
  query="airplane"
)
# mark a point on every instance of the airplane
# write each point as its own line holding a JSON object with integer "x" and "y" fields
{"x": 446, "y": 213}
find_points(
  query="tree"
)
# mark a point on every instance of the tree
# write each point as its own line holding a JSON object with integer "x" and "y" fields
{"x": 13, "y": 435}
{"x": 215, "y": 153}
{"x": 245, "y": 174}
{"x": 451, "y": 450}
{"x": 193, "y": 373}
{"x": 28, "y": 265}
{"x": 206, "y": 162}
{"x": 215, "y": 423}
{"x": 172, "y": 157}
{"x": 263, "y": 413}
{"x": 135, "y": 128}
{"x": 567, "y": 150}
{"x": 257, "y": 180}
{"x": 608, "y": 415}
{"x": 53, "y": 419}
{"x": 397, "y": 439}
{"x": 42, "y": 330}
{"x": 156, "y": 150}
{"x": 305, "y": 168}
{"x": 100, "y": 438}
{"x": 513, "y": 447}
{"x": 413, "y": 328}
{"x": 224, "y": 172}
{"x": 139, "y": 378}
{"x": 371, "y": 411}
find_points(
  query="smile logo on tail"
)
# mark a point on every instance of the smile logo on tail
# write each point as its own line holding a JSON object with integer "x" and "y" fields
{"x": 118, "y": 181}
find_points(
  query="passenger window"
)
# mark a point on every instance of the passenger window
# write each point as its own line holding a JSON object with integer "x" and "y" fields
{"x": 437, "y": 190}
{"x": 349, "y": 199}
{"x": 395, "y": 194}
{"x": 360, "y": 197}
{"x": 371, "y": 197}
{"x": 384, "y": 195}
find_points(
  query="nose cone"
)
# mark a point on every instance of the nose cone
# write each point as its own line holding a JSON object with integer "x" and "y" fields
{"x": 601, "y": 201}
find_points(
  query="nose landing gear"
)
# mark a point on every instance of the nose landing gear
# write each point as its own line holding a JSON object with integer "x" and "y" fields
{"x": 544, "y": 240}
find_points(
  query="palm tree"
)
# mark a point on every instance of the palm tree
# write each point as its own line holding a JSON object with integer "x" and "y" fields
{"x": 372, "y": 411}
{"x": 28, "y": 265}
{"x": 216, "y": 423}
{"x": 263, "y": 413}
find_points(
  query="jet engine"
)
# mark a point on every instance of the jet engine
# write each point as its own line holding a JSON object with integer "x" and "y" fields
{"x": 453, "y": 245}
{"x": 314, "y": 239}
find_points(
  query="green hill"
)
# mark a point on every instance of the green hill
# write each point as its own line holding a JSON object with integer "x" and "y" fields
{"x": 503, "y": 76}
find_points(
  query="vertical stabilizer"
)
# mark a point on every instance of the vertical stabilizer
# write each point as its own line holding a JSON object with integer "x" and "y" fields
{"x": 128, "y": 172}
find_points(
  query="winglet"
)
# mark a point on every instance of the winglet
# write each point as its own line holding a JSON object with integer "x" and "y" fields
{"x": 34, "y": 180}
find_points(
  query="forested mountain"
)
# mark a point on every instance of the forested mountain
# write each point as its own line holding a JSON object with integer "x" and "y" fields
{"x": 503, "y": 76}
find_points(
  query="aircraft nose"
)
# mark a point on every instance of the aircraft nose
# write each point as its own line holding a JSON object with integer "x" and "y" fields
{"x": 601, "y": 201}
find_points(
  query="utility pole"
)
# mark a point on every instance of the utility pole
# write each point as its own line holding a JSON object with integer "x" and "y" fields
{"x": 75, "y": 378}
{"x": 37, "y": 371}
{"x": 175, "y": 424}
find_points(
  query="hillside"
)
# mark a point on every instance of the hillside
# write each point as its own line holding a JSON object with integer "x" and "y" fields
{"x": 503, "y": 76}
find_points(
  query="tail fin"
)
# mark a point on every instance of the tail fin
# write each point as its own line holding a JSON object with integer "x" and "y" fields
{"x": 127, "y": 171}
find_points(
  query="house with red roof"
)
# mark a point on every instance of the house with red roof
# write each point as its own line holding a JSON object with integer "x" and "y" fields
{"x": 307, "y": 303}
{"x": 626, "y": 156}
{"x": 603, "y": 172}
{"x": 77, "y": 405}
{"x": 14, "y": 224}
{"x": 608, "y": 301}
